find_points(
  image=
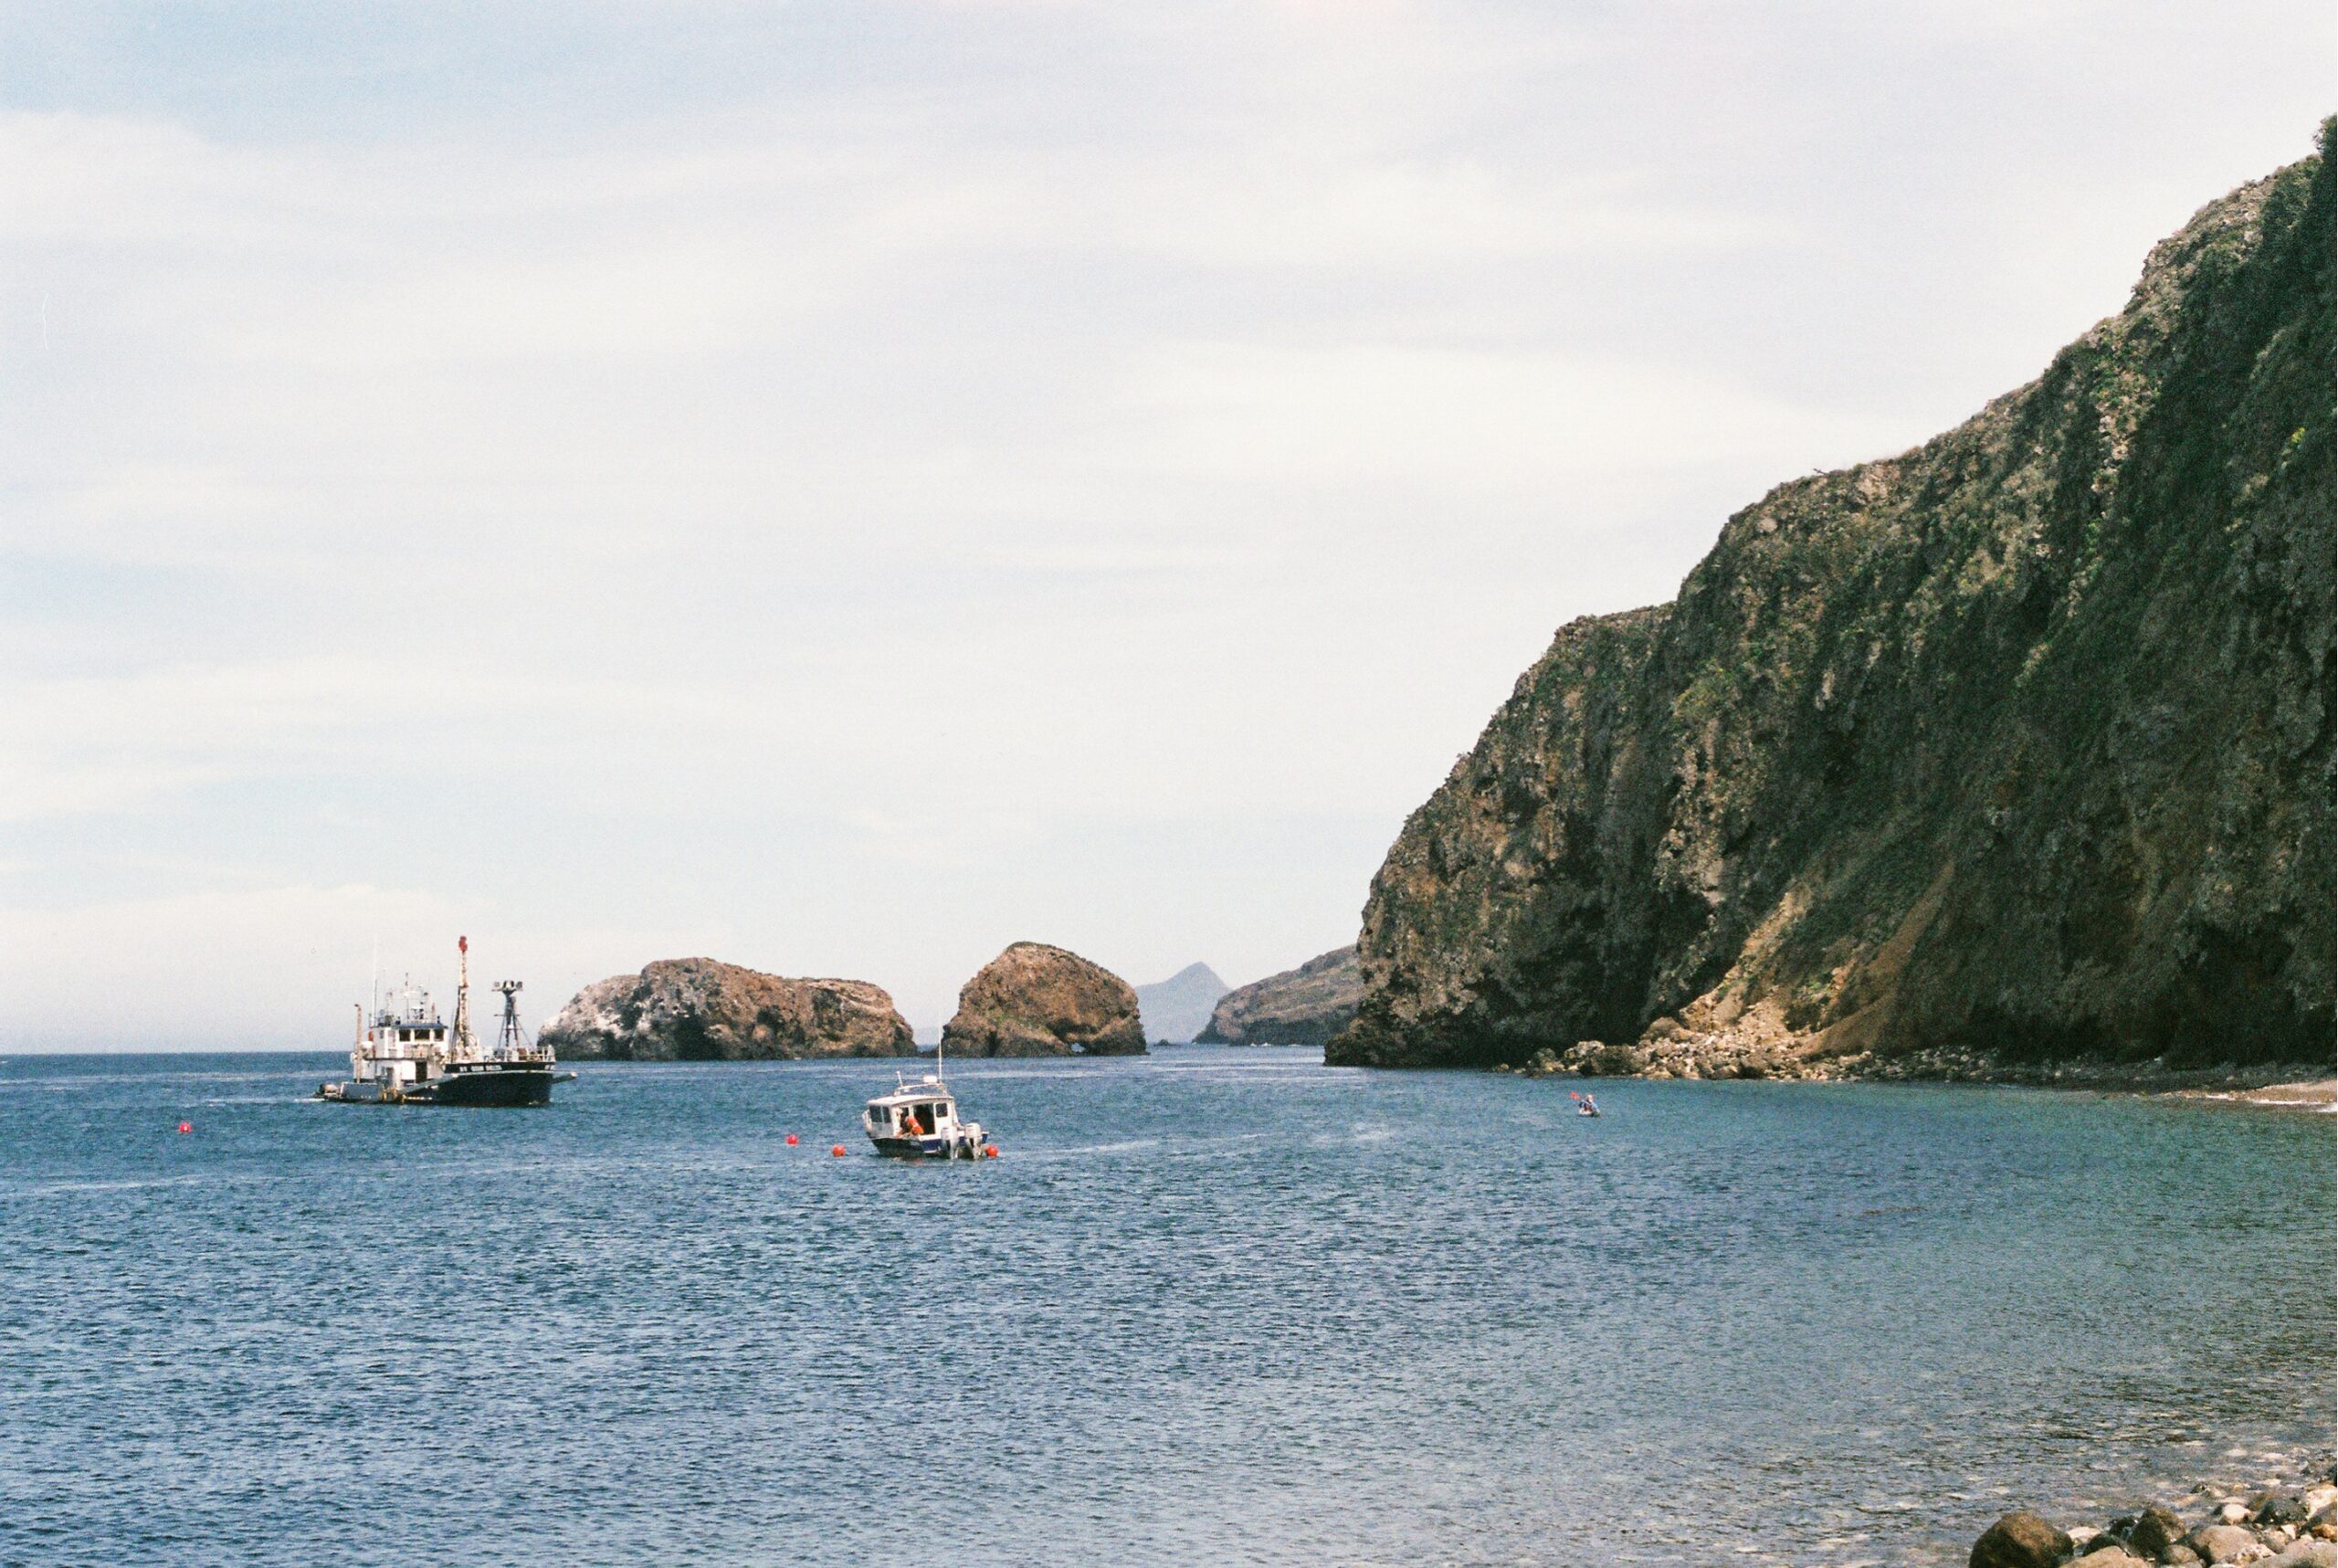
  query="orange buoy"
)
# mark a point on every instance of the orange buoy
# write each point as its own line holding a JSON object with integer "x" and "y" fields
{"x": 186, "y": 1126}
{"x": 791, "y": 1140}
{"x": 838, "y": 1151}
{"x": 990, "y": 1150}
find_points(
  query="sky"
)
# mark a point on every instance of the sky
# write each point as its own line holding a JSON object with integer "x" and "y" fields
{"x": 840, "y": 488}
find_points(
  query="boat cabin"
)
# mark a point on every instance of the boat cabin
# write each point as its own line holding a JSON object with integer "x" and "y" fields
{"x": 920, "y": 1120}
{"x": 914, "y": 1110}
{"x": 404, "y": 1042}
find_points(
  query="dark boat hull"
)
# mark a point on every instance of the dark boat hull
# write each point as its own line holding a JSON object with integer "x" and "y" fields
{"x": 928, "y": 1147}
{"x": 502, "y": 1087}
{"x": 490, "y": 1089}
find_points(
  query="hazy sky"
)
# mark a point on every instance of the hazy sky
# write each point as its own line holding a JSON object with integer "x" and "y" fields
{"x": 844, "y": 486}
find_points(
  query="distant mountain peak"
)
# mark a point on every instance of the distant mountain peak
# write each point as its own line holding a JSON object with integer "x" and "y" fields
{"x": 1176, "y": 1009}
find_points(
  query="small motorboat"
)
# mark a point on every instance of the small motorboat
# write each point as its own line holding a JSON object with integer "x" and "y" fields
{"x": 920, "y": 1122}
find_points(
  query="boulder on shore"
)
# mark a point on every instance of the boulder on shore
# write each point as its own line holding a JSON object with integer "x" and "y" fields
{"x": 698, "y": 1010}
{"x": 2151, "y": 1532}
{"x": 2225, "y": 1543}
{"x": 2021, "y": 1540}
{"x": 1034, "y": 1000}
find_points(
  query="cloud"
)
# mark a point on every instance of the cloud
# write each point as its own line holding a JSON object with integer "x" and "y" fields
{"x": 1467, "y": 418}
{"x": 83, "y": 744}
{"x": 861, "y": 496}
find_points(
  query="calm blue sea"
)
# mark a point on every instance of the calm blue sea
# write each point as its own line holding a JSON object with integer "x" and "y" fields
{"x": 1212, "y": 1306}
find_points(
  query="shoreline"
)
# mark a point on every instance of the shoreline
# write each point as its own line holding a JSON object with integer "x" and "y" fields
{"x": 2310, "y": 1088}
{"x": 2318, "y": 1096}
{"x": 2285, "y": 1519}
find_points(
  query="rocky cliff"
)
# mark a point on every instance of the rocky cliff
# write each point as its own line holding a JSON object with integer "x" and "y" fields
{"x": 695, "y": 1009}
{"x": 2013, "y": 750}
{"x": 1302, "y": 1006}
{"x": 1034, "y": 1000}
{"x": 1174, "y": 1010}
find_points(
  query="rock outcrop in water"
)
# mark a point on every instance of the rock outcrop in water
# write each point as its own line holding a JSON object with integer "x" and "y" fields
{"x": 1034, "y": 1000}
{"x": 696, "y": 1009}
{"x": 2013, "y": 748}
{"x": 1302, "y": 1007}
{"x": 1174, "y": 1010}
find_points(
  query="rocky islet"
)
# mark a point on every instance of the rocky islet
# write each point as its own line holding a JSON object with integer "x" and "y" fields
{"x": 1035, "y": 1000}
{"x": 699, "y": 1009}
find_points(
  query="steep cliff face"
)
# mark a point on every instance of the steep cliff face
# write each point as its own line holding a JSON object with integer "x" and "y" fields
{"x": 1302, "y": 1006}
{"x": 2015, "y": 748}
{"x": 696, "y": 1009}
{"x": 1034, "y": 1000}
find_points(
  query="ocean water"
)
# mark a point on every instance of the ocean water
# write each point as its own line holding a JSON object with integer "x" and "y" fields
{"x": 1212, "y": 1306}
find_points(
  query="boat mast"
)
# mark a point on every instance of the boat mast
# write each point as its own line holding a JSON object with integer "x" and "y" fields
{"x": 510, "y": 1045}
{"x": 465, "y": 1047}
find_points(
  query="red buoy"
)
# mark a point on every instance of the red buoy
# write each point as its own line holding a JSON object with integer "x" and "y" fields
{"x": 838, "y": 1151}
{"x": 990, "y": 1150}
{"x": 186, "y": 1126}
{"x": 791, "y": 1140}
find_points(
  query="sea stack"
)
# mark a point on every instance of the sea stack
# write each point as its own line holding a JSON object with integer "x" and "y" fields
{"x": 2012, "y": 752}
{"x": 1034, "y": 1000}
{"x": 697, "y": 1009}
{"x": 1302, "y": 1006}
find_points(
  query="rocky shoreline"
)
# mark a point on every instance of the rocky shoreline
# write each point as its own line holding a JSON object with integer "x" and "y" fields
{"x": 1669, "y": 1050}
{"x": 2279, "y": 1527}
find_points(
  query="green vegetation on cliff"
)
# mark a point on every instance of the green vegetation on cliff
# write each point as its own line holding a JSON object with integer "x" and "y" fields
{"x": 2018, "y": 744}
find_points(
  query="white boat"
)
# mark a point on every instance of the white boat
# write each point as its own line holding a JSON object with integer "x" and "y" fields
{"x": 406, "y": 1056}
{"x": 920, "y": 1122}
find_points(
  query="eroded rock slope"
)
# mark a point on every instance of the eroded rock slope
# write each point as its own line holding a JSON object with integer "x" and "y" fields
{"x": 1302, "y": 1006}
{"x": 2014, "y": 748}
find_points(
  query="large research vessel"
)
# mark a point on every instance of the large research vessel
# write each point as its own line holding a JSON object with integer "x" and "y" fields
{"x": 405, "y": 1055}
